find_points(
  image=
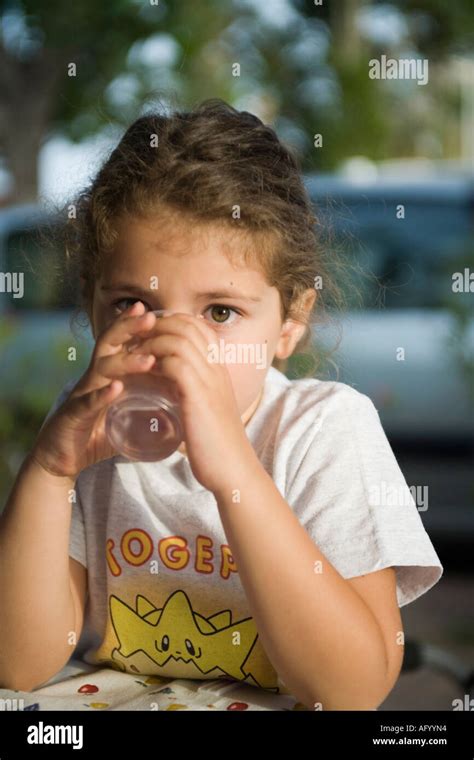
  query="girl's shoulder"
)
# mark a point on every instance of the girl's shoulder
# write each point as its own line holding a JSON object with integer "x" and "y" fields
{"x": 327, "y": 395}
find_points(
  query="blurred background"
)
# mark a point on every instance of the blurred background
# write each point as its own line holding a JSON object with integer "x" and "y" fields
{"x": 389, "y": 164}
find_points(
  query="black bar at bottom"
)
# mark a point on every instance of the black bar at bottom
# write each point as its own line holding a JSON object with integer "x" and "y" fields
{"x": 420, "y": 734}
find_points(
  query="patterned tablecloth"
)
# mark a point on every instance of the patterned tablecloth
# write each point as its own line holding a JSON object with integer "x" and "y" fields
{"x": 80, "y": 687}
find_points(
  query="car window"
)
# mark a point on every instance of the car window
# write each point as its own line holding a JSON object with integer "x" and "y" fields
{"x": 412, "y": 259}
{"x": 45, "y": 285}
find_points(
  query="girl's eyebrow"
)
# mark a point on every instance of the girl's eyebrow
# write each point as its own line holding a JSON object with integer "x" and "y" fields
{"x": 210, "y": 294}
{"x": 227, "y": 294}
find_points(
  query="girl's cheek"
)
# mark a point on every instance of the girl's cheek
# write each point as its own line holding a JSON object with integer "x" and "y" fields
{"x": 244, "y": 378}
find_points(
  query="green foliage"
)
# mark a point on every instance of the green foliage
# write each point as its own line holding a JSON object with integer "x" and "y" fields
{"x": 360, "y": 117}
{"x": 36, "y": 379}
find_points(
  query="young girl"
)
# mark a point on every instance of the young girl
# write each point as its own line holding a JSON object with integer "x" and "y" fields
{"x": 265, "y": 548}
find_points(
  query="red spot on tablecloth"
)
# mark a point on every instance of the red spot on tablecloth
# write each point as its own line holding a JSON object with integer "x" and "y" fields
{"x": 88, "y": 688}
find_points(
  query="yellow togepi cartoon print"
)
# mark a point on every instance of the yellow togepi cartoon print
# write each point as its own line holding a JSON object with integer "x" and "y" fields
{"x": 181, "y": 643}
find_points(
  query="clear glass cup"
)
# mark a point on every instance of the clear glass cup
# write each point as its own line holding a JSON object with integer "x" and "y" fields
{"x": 143, "y": 423}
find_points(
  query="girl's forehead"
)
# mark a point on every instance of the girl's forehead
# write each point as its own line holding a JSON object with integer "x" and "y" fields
{"x": 184, "y": 235}
{"x": 205, "y": 262}
{"x": 212, "y": 251}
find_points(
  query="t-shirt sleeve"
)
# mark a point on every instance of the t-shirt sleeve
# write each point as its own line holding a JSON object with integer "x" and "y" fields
{"x": 349, "y": 493}
{"x": 77, "y": 536}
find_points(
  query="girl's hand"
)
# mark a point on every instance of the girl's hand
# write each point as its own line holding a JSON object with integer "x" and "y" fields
{"x": 215, "y": 438}
{"x": 74, "y": 436}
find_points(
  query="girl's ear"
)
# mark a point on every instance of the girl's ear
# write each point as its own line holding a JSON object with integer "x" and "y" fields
{"x": 291, "y": 330}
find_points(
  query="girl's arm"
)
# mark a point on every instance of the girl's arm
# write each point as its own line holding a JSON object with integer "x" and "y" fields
{"x": 41, "y": 605}
{"x": 42, "y": 590}
{"x": 333, "y": 648}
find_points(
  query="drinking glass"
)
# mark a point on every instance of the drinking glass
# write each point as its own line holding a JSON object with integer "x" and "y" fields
{"x": 143, "y": 423}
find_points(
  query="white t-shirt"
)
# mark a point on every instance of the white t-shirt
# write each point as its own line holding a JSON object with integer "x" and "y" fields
{"x": 164, "y": 591}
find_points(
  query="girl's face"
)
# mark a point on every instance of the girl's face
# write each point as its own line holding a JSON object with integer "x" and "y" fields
{"x": 181, "y": 268}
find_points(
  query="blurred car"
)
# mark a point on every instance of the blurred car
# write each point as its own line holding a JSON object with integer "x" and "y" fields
{"x": 409, "y": 345}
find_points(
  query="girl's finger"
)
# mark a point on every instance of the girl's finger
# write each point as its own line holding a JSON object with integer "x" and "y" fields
{"x": 183, "y": 326}
{"x": 175, "y": 345}
{"x": 126, "y": 326}
{"x": 87, "y": 406}
{"x": 183, "y": 375}
{"x": 124, "y": 363}
{"x": 113, "y": 366}
{"x": 109, "y": 343}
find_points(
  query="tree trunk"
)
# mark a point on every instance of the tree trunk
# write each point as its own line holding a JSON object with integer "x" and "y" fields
{"x": 21, "y": 153}
{"x": 28, "y": 98}
{"x": 346, "y": 36}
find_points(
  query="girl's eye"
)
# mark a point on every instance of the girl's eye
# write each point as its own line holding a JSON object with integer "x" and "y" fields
{"x": 128, "y": 302}
{"x": 220, "y": 315}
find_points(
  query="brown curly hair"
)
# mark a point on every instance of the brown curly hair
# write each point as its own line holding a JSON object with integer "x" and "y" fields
{"x": 205, "y": 164}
